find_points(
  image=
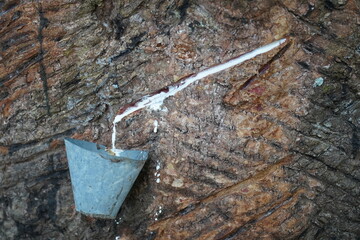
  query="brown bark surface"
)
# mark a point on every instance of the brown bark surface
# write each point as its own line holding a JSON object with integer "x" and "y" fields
{"x": 249, "y": 153}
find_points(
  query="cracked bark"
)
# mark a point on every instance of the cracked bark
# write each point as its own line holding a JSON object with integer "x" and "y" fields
{"x": 254, "y": 152}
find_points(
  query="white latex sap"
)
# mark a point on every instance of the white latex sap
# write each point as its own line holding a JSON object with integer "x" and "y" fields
{"x": 154, "y": 102}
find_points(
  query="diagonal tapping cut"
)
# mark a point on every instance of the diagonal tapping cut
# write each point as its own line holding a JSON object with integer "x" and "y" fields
{"x": 231, "y": 190}
{"x": 266, "y": 66}
{"x": 230, "y": 99}
{"x": 156, "y": 99}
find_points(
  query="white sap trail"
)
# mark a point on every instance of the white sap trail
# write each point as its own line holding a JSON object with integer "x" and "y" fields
{"x": 156, "y": 125}
{"x": 154, "y": 102}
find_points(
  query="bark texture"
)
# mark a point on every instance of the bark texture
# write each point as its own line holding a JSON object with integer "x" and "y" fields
{"x": 265, "y": 150}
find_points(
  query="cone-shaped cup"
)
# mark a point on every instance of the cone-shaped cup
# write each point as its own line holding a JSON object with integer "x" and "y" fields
{"x": 101, "y": 181}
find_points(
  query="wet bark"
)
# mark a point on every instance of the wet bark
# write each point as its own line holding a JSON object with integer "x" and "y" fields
{"x": 268, "y": 149}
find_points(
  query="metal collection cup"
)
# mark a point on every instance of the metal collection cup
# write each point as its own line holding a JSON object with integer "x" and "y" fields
{"x": 101, "y": 181}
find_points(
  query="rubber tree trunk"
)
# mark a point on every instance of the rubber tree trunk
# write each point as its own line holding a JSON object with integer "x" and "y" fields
{"x": 268, "y": 149}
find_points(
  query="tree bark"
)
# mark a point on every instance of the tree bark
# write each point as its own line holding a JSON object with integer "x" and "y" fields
{"x": 266, "y": 150}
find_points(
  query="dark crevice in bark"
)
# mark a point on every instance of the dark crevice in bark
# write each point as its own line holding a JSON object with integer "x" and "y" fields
{"x": 8, "y": 5}
{"x": 44, "y": 202}
{"x": 15, "y": 40}
{"x": 319, "y": 28}
{"x": 332, "y": 168}
{"x": 43, "y": 24}
{"x": 235, "y": 233}
{"x": 183, "y": 10}
{"x": 73, "y": 83}
{"x": 304, "y": 65}
{"x": 119, "y": 27}
{"x": 135, "y": 41}
{"x": 355, "y": 141}
{"x": 17, "y": 146}
{"x": 32, "y": 60}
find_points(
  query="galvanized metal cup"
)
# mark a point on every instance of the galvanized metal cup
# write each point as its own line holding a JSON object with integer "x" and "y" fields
{"x": 101, "y": 181}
